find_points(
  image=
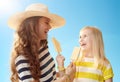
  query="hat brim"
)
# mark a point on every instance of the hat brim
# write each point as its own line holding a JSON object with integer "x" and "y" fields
{"x": 15, "y": 20}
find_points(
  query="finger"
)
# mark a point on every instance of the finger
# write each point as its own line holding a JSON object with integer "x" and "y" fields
{"x": 71, "y": 64}
{"x": 74, "y": 67}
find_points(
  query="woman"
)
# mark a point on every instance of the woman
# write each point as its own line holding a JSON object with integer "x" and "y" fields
{"x": 31, "y": 60}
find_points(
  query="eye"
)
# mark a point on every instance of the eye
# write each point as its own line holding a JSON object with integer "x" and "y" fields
{"x": 47, "y": 22}
{"x": 85, "y": 35}
{"x": 80, "y": 36}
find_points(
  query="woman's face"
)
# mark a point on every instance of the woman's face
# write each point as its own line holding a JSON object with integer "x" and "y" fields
{"x": 43, "y": 27}
{"x": 85, "y": 40}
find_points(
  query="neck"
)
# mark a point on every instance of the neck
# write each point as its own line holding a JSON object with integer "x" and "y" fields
{"x": 88, "y": 54}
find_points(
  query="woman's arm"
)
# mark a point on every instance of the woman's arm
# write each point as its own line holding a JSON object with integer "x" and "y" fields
{"x": 67, "y": 73}
{"x": 60, "y": 65}
{"x": 23, "y": 70}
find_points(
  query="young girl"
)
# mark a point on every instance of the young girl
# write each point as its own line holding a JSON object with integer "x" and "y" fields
{"x": 91, "y": 63}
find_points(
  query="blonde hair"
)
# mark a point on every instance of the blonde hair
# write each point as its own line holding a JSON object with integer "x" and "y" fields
{"x": 97, "y": 46}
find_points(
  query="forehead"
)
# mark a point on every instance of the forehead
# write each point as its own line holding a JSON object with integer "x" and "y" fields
{"x": 85, "y": 31}
{"x": 44, "y": 19}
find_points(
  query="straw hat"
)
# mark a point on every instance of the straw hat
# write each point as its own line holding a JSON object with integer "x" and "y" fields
{"x": 35, "y": 10}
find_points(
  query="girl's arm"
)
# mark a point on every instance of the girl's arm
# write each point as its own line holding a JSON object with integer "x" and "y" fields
{"x": 109, "y": 80}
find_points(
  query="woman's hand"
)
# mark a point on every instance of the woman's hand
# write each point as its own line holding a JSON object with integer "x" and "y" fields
{"x": 60, "y": 60}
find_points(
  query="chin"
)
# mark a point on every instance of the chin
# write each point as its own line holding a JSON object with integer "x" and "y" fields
{"x": 83, "y": 49}
{"x": 44, "y": 38}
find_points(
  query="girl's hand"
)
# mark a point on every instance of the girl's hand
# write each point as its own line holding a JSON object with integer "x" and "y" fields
{"x": 70, "y": 71}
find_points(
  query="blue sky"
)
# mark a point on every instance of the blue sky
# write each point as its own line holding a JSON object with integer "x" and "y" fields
{"x": 105, "y": 14}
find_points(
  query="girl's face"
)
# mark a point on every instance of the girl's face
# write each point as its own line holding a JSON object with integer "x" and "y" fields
{"x": 85, "y": 40}
{"x": 43, "y": 27}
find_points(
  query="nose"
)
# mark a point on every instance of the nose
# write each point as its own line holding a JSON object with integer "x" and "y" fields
{"x": 49, "y": 27}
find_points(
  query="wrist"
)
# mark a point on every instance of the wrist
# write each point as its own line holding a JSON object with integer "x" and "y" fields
{"x": 61, "y": 64}
{"x": 61, "y": 68}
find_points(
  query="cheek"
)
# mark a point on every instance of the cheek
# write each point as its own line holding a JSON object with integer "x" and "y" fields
{"x": 90, "y": 43}
{"x": 41, "y": 28}
{"x": 39, "y": 31}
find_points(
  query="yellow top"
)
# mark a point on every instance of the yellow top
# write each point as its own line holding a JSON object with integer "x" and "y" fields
{"x": 86, "y": 71}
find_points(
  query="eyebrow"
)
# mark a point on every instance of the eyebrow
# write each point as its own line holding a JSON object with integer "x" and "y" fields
{"x": 47, "y": 19}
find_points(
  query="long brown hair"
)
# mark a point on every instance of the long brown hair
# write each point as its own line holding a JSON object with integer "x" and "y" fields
{"x": 26, "y": 44}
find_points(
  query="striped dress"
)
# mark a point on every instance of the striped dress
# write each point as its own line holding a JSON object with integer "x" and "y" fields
{"x": 86, "y": 72}
{"x": 47, "y": 67}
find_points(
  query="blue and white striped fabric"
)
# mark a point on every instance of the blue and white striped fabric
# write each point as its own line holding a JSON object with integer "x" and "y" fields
{"x": 47, "y": 67}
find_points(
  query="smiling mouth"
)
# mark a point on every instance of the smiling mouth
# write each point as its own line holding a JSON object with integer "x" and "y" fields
{"x": 83, "y": 44}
